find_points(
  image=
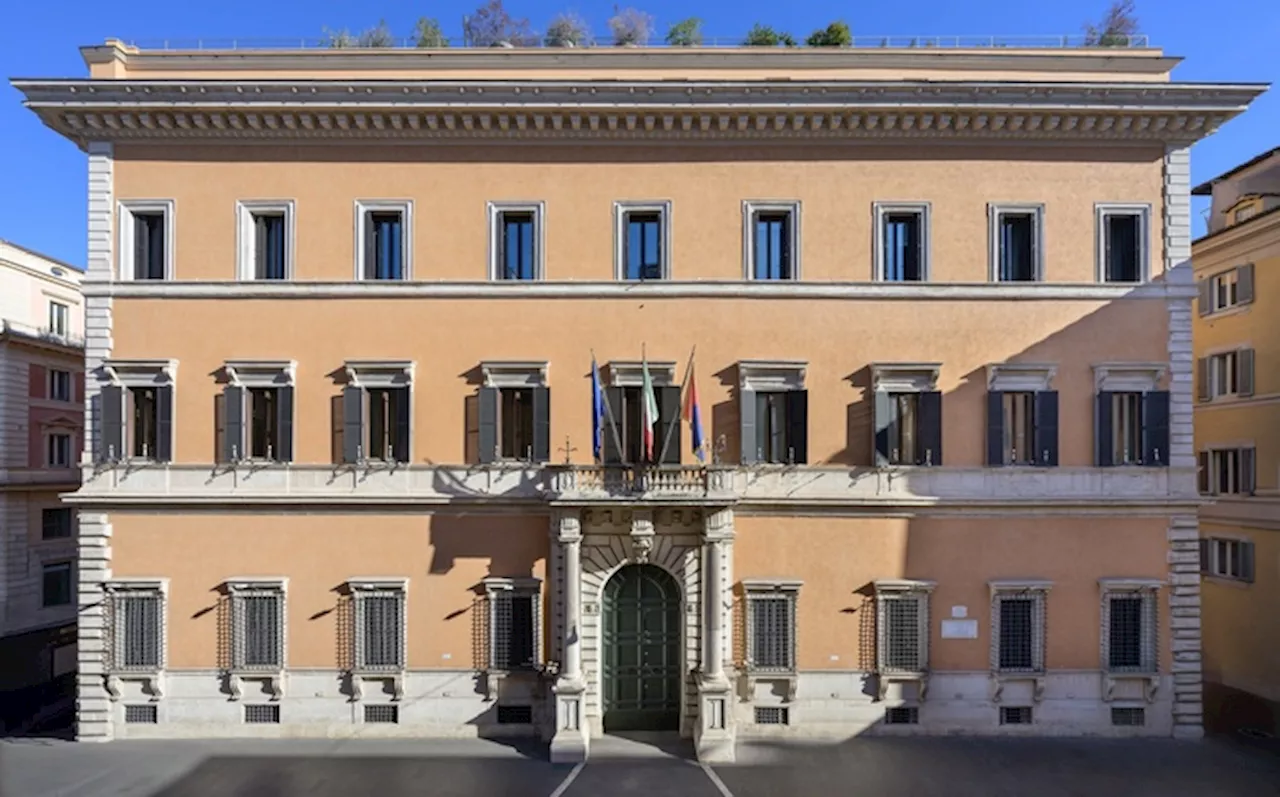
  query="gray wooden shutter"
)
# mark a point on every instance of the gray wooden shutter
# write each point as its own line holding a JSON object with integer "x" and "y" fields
{"x": 614, "y": 427}
{"x": 1244, "y": 372}
{"x": 370, "y": 247}
{"x": 1204, "y": 555}
{"x": 1046, "y": 425}
{"x": 1102, "y": 422}
{"x": 1155, "y": 428}
{"x": 995, "y": 428}
{"x": 1246, "y": 561}
{"x": 284, "y": 424}
{"x": 111, "y": 424}
{"x": 1205, "y": 300}
{"x": 1244, "y": 283}
{"x": 886, "y": 426}
{"x": 233, "y": 423}
{"x": 748, "y": 431}
{"x": 489, "y": 397}
{"x": 542, "y": 424}
{"x": 404, "y": 412}
{"x": 798, "y": 426}
{"x": 353, "y": 424}
{"x": 668, "y": 423}
{"x": 1247, "y": 477}
{"x": 164, "y": 424}
{"x": 1203, "y": 392}
{"x": 930, "y": 428}
{"x": 1202, "y": 471}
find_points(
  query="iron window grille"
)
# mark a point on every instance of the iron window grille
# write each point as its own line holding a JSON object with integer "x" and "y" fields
{"x": 262, "y": 714}
{"x": 1129, "y": 622}
{"x": 773, "y": 715}
{"x": 514, "y": 623}
{"x": 147, "y": 714}
{"x": 381, "y": 713}
{"x": 379, "y": 628}
{"x": 1018, "y": 627}
{"x": 136, "y": 626}
{"x": 902, "y": 615}
{"x": 1015, "y": 715}
{"x": 771, "y": 626}
{"x": 902, "y": 715}
{"x": 258, "y": 626}
{"x": 515, "y": 715}
{"x": 1128, "y": 717}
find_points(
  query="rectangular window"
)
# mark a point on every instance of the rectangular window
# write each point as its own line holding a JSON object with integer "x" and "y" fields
{"x": 257, "y": 613}
{"x": 514, "y": 620}
{"x": 771, "y": 619}
{"x": 1223, "y": 374}
{"x": 150, "y": 247}
{"x": 380, "y": 629}
{"x": 1129, "y": 627}
{"x": 908, "y": 427}
{"x": 262, "y": 714}
{"x": 1018, "y": 627}
{"x": 644, "y": 246}
{"x": 57, "y": 585}
{"x": 515, "y": 422}
{"x": 376, "y": 412}
{"x": 1245, "y": 213}
{"x": 59, "y": 385}
{"x": 518, "y": 248}
{"x": 1233, "y": 559}
{"x": 1019, "y": 428}
{"x": 55, "y": 523}
{"x": 1227, "y": 471}
{"x": 264, "y": 427}
{"x": 1122, "y": 234}
{"x": 902, "y": 242}
{"x": 388, "y": 409}
{"x": 384, "y": 240}
{"x": 143, "y": 416}
{"x": 1226, "y": 289}
{"x": 772, "y": 241}
{"x": 137, "y": 629}
{"x": 59, "y": 452}
{"x": 137, "y": 417}
{"x": 1126, "y": 428}
{"x": 59, "y": 319}
{"x": 780, "y": 434}
{"x": 270, "y": 242}
{"x": 1016, "y": 243}
{"x": 1126, "y": 633}
{"x": 626, "y": 406}
{"x": 902, "y": 626}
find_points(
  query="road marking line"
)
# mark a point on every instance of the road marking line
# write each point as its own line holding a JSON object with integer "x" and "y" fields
{"x": 568, "y": 781}
{"x": 715, "y": 779}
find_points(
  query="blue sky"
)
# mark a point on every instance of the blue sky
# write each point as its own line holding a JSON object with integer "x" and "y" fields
{"x": 42, "y": 204}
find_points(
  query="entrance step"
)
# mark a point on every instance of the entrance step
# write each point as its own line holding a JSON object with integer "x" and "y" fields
{"x": 642, "y": 744}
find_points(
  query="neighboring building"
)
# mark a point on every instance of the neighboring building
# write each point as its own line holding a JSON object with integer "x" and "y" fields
{"x": 1237, "y": 420}
{"x": 343, "y": 308}
{"x": 41, "y": 437}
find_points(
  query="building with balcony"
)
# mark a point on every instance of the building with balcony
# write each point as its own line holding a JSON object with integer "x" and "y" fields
{"x": 353, "y": 315}
{"x": 41, "y": 423}
{"x": 1237, "y": 349}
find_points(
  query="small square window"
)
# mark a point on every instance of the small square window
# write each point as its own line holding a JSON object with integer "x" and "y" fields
{"x": 643, "y": 240}
{"x": 902, "y": 242}
{"x": 56, "y": 523}
{"x": 59, "y": 319}
{"x": 146, "y": 240}
{"x": 772, "y": 244}
{"x": 1017, "y": 243}
{"x": 59, "y": 452}
{"x": 57, "y": 585}
{"x": 517, "y": 241}
{"x": 1122, "y": 243}
{"x": 59, "y": 385}
{"x": 384, "y": 240}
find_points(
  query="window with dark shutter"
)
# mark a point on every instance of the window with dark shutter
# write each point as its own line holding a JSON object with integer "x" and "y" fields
{"x": 56, "y": 585}
{"x": 1155, "y": 428}
{"x": 353, "y": 404}
{"x": 111, "y": 446}
{"x": 388, "y": 424}
{"x": 55, "y": 524}
{"x": 666, "y": 444}
{"x": 1122, "y": 246}
{"x": 1016, "y": 246}
{"x": 143, "y": 421}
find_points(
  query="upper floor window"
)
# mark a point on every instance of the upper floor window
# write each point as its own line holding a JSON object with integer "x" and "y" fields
{"x": 266, "y": 239}
{"x": 376, "y": 412}
{"x": 59, "y": 385}
{"x": 774, "y": 408}
{"x": 1226, "y": 289}
{"x": 1227, "y": 558}
{"x": 771, "y": 625}
{"x": 146, "y": 240}
{"x": 1132, "y": 416}
{"x": 1229, "y": 373}
{"x": 643, "y": 240}
{"x": 1122, "y": 242}
{"x": 56, "y": 523}
{"x": 908, "y": 414}
{"x": 1017, "y": 242}
{"x": 628, "y": 436}
{"x": 1022, "y": 415}
{"x": 772, "y": 243}
{"x": 1129, "y": 619}
{"x": 384, "y": 244}
{"x": 257, "y": 412}
{"x": 1228, "y": 471}
{"x": 57, "y": 585}
{"x": 59, "y": 319}
{"x": 59, "y": 453}
{"x": 516, "y": 247}
{"x": 902, "y": 242}
{"x": 137, "y": 411}
{"x": 515, "y": 412}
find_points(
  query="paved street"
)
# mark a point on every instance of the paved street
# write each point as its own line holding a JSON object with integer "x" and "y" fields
{"x": 457, "y": 768}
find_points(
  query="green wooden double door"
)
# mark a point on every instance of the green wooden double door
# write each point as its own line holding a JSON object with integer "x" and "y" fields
{"x": 642, "y": 642}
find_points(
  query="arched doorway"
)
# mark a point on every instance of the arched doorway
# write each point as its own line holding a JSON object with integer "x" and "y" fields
{"x": 642, "y": 640}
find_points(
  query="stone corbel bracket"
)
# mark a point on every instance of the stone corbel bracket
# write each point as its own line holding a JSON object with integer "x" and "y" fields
{"x": 1150, "y": 685}
{"x": 274, "y": 681}
{"x": 152, "y": 683}
{"x": 642, "y": 537}
{"x": 396, "y": 679}
{"x": 998, "y": 680}
{"x": 921, "y": 680}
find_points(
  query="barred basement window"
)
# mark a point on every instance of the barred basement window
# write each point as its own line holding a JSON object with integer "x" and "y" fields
{"x": 380, "y": 626}
{"x": 257, "y": 612}
{"x": 902, "y": 715}
{"x": 903, "y": 621}
{"x": 1129, "y": 626}
{"x": 141, "y": 715}
{"x": 136, "y": 626}
{"x": 262, "y": 714}
{"x": 1128, "y": 717}
{"x": 513, "y": 623}
{"x": 771, "y": 626}
{"x": 381, "y": 713}
{"x": 773, "y": 715}
{"x": 1015, "y": 715}
{"x": 515, "y": 715}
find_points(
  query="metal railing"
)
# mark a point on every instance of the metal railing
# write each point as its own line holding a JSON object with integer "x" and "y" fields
{"x": 49, "y": 334}
{"x": 675, "y": 480}
{"x": 536, "y": 41}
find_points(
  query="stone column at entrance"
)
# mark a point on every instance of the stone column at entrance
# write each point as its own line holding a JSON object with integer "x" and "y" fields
{"x": 713, "y": 735}
{"x": 569, "y": 744}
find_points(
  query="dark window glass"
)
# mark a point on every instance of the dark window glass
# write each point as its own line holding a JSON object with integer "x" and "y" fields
{"x": 1019, "y": 428}
{"x": 773, "y": 246}
{"x": 1016, "y": 633}
{"x": 57, "y": 585}
{"x": 261, "y": 630}
{"x": 264, "y": 442}
{"x": 1126, "y": 428}
{"x": 55, "y": 523}
{"x": 384, "y": 409}
{"x": 516, "y": 423}
{"x": 517, "y": 255}
{"x": 143, "y": 427}
{"x": 1122, "y": 247}
{"x": 903, "y": 247}
{"x": 771, "y": 633}
{"x": 1017, "y": 255}
{"x": 513, "y": 632}
{"x": 644, "y": 246}
{"x": 906, "y": 443}
{"x": 772, "y": 430}
{"x": 148, "y": 246}
{"x": 1126, "y": 633}
{"x": 384, "y": 249}
{"x": 269, "y": 241}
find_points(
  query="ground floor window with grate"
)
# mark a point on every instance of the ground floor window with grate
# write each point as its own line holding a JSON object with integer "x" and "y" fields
{"x": 257, "y": 614}
{"x": 136, "y": 624}
{"x": 771, "y": 625}
{"x": 902, "y": 619}
{"x": 513, "y": 623}
{"x": 1017, "y": 626}
{"x": 1129, "y": 629}
{"x": 379, "y": 626}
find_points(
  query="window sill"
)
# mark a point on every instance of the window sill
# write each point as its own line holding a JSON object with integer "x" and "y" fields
{"x": 1236, "y": 309}
{"x": 1227, "y": 581}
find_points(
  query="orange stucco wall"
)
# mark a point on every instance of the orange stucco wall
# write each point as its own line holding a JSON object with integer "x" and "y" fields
{"x": 839, "y": 558}
{"x": 444, "y": 556}
{"x": 450, "y": 185}
{"x": 447, "y": 339}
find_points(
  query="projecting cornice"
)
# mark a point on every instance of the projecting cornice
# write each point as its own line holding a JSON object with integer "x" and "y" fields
{"x": 87, "y": 110}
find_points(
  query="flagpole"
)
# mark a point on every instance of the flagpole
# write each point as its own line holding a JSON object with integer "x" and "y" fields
{"x": 608, "y": 411}
{"x": 666, "y": 441}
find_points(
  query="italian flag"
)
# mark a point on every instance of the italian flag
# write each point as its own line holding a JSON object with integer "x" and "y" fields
{"x": 648, "y": 410}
